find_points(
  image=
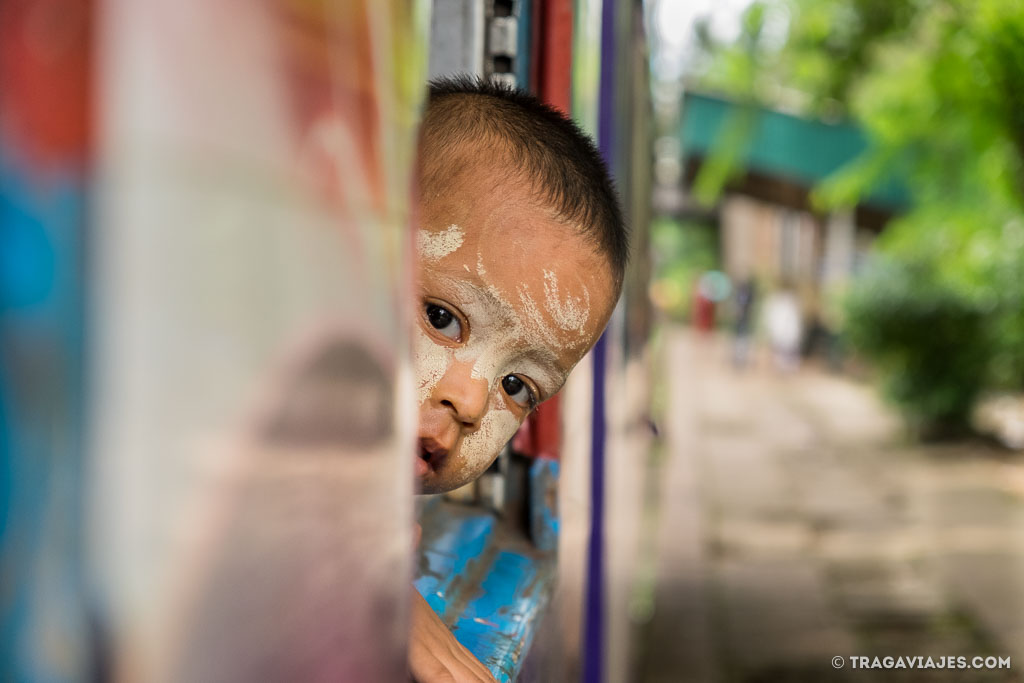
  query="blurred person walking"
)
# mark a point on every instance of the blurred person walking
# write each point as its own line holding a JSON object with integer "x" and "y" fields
{"x": 712, "y": 288}
{"x": 746, "y": 296}
{"x": 784, "y": 322}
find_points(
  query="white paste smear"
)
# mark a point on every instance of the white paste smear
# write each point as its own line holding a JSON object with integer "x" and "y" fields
{"x": 431, "y": 361}
{"x": 481, "y": 447}
{"x": 570, "y": 313}
{"x": 434, "y": 246}
{"x": 489, "y": 348}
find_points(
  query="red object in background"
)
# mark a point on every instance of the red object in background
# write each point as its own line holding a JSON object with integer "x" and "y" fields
{"x": 553, "y": 58}
{"x": 703, "y": 312}
{"x": 45, "y": 79}
{"x": 541, "y": 434}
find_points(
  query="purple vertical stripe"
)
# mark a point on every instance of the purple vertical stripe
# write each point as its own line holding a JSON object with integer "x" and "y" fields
{"x": 594, "y": 623}
{"x": 593, "y": 663}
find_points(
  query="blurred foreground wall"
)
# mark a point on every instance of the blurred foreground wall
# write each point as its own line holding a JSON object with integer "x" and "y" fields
{"x": 45, "y": 145}
{"x": 220, "y": 230}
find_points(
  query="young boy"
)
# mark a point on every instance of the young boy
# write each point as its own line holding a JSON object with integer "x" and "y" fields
{"x": 522, "y": 251}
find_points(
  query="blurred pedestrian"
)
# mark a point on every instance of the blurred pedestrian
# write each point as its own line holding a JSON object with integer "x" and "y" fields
{"x": 713, "y": 287}
{"x": 785, "y": 327}
{"x": 746, "y": 296}
{"x": 703, "y": 311}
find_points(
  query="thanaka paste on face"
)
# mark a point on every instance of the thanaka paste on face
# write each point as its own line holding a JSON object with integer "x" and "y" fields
{"x": 570, "y": 313}
{"x": 521, "y": 318}
{"x": 533, "y": 332}
{"x": 498, "y": 424}
{"x": 497, "y": 330}
{"x": 434, "y": 246}
{"x": 431, "y": 361}
{"x": 481, "y": 447}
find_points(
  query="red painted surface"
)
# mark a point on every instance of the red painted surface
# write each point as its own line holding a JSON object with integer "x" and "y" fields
{"x": 704, "y": 313}
{"x": 554, "y": 57}
{"x": 541, "y": 434}
{"x": 45, "y": 79}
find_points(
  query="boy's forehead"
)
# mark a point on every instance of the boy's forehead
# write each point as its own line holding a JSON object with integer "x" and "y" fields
{"x": 480, "y": 183}
{"x": 513, "y": 246}
{"x": 496, "y": 216}
{"x": 488, "y": 227}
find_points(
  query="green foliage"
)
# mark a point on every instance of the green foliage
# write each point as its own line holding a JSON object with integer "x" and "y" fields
{"x": 928, "y": 340}
{"x": 831, "y": 44}
{"x": 683, "y": 250}
{"x": 826, "y": 47}
{"x": 938, "y": 88}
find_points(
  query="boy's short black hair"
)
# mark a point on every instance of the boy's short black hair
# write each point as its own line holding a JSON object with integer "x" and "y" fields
{"x": 546, "y": 146}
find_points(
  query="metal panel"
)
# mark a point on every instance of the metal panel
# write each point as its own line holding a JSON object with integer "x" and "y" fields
{"x": 503, "y": 37}
{"x": 457, "y": 38}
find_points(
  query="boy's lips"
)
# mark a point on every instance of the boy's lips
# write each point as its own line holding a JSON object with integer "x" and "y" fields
{"x": 431, "y": 456}
{"x": 422, "y": 467}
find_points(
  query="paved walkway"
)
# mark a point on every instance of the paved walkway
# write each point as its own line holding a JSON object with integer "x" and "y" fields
{"x": 795, "y": 524}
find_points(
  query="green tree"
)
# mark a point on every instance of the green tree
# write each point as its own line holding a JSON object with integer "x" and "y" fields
{"x": 939, "y": 89}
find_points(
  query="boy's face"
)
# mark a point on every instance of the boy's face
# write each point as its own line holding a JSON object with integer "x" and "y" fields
{"x": 510, "y": 299}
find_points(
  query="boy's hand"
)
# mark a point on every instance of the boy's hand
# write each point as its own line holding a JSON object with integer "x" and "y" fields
{"x": 435, "y": 656}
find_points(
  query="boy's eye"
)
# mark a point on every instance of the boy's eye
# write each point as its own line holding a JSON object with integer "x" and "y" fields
{"x": 444, "y": 321}
{"x": 519, "y": 391}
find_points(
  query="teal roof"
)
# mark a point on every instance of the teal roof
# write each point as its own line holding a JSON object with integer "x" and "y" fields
{"x": 786, "y": 146}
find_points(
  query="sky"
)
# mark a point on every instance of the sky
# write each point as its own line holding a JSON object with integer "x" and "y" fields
{"x": 672, "y": 23}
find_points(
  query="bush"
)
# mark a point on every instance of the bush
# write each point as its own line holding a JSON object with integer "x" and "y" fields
{"x": 928, "y": 341}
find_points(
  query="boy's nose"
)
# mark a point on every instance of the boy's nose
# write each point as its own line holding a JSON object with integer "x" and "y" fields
{"x": 462, "y": 394}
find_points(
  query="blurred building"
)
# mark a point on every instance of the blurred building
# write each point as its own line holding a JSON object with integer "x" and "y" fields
{"x": 769, "y": 226}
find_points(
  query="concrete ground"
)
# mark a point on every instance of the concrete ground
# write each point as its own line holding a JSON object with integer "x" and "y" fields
{"x": 795, "y": 523}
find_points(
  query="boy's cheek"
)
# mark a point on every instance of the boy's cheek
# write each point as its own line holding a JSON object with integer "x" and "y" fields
{"x": 430, "y": 362}
{"x": 496, "y": 428}
{"x": 479, "y": 449}
{"x": 464, "y": 475}
{"x": 457, "y": 478}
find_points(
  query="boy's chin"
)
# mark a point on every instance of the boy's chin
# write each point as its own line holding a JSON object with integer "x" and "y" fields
{"x": 448, "y": 477}
{"x": 433, "y": 483}
{"x": 430, "y": 485}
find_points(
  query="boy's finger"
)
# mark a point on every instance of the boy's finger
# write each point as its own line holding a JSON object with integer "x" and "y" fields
{"x": 475, "y": 666}
{"x": 483, "y": 671}
{"x": 465, "y": 666}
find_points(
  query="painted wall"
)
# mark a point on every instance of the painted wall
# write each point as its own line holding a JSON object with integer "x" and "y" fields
{"x": 45, "y": 145}
{"x": 235, "y": 502}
